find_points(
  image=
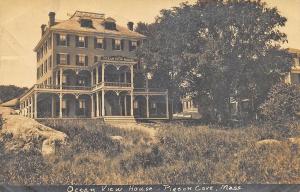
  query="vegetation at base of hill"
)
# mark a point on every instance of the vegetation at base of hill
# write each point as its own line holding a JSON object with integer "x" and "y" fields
{"x": 8, "y": 92}
{"x": 181, "y": 154}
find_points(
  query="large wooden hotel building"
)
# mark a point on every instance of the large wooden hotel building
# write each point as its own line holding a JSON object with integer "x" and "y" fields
{"x": 87, "y": 68}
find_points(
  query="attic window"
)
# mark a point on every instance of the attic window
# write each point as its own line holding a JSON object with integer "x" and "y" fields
{"x": 86, "y": 23}
{"x": 110, "y": 24}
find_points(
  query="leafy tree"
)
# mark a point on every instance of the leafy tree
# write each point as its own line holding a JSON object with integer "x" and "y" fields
{"x": 283, "y": 103}
{"x": 214, "y": 50}
{"x": 8, "y": 92}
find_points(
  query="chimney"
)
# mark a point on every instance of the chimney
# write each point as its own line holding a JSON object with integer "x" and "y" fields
{"x": 51, "y": 18}
{"x": 130, "y": 25}
{"x": 43, "y": 29}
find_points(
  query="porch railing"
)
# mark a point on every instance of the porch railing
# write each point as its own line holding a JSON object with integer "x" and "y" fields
{"x": 117, "y": 84}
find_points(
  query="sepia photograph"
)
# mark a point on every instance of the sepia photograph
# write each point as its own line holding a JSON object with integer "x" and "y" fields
{"x": 150, "y": 95}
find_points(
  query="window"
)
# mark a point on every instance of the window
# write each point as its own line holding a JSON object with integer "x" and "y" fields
{"x": 82, "y": 104}
{"x": 64, "y": 79}
{"x": 81, "y": 82}
{"x": 86, "y": 23}
{"x": 116, "y": 44}
{"x": 153, "y": 105}
{"x": 62, "y": 40}
{"x": 64, "y": 104}
{"x": 81, "y": 41}
{"x": 50, "y": 62}
{"x": 46, "y": 65}
{"x": 63, "y": 59}
{"x": 133, "y": 45}
{"x": 81, "y": 60}
{"x": 49, "y": 42}
{"x": 42, "y": 68}
{"x": 99, "y": 43}
{"x": 135, "y": 105}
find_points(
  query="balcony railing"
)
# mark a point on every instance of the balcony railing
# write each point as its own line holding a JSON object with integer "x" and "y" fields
{"x": 41, "y": 86}
{"x": 77, "y": 87}
{"x": 117, "y": 84}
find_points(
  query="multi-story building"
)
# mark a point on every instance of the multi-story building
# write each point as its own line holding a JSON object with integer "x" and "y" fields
{"x": 87, "y": 68}
{"x": 294, "y": 76}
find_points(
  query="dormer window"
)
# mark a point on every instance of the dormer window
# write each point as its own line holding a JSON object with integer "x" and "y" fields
{"x": 86, "y": 23}
{"x": 110, "y": 23}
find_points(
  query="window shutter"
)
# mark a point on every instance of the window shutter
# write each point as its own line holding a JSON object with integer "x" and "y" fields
{"x": 95, "y": 59}
{"x": 113, "y": 43}
{"x": 77, "y": 59}
{"x": 122, "y": 44}
{"x": 68, "y": 59}
{"x": 57, "y": 39}
{"x": 86, "y": 39}
{"x": 57, "y": 59}
{"x": 86, "y": 62}
{"x": 68, "y": 40}
{"x": 95, "y": 42}
{"x": 77, "y": 41}
{"x": 104, "y": 43}
{"x": 130, "y": 45}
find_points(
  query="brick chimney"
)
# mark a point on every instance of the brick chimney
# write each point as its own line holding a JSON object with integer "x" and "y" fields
{"x": 130, "y": 25}
{"x": 43, "y": 29}
{"x": 51, "y": 18}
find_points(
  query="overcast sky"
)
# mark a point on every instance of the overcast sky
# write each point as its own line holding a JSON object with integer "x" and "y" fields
{"x": 20, "y": 23}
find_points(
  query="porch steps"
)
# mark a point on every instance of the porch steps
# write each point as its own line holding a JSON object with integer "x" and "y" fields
{"x": 119, "y": 119}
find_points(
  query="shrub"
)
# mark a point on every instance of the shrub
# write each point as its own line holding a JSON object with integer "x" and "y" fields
{"x": 283, "y": 103}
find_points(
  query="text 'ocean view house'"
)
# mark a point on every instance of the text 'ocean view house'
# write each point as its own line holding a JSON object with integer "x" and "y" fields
{"x": 87, "y": 68}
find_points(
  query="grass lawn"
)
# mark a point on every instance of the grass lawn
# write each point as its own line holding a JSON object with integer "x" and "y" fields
{"x": 180, "y": 153}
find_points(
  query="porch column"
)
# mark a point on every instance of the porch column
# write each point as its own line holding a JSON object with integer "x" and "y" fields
{"x": 167, "y": 104}
{"x": 92, "y": 77}
{"x": 147, "y": 105}
{"x": 97, "y": 75}
{"x": 125, "y": 105}
{"x": 35, "y": 105}
{"x": 92, "y": 106}
{"x": 131, "y": 103}
{"x": 31, "y": 107}
{"x": 103, "y": 68}
{"x": 60, "y": 105}
{"x": 103, "y": 110}
{"x": 97, "y": 104}
{"x": 131, "y": 69}
{"x": 60, "y": 78}
{"x": 53, "y": 106}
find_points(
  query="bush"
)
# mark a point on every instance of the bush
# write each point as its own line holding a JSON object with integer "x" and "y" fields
{"x": 282, "y": 104}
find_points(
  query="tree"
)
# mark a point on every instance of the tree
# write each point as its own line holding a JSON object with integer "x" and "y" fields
{"x": 8, "y": 92}
{"x": 215, "y": 50}
{"x": 282, "y": 103}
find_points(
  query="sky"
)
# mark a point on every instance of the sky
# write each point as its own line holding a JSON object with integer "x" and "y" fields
{"x": 20, "y": 23}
